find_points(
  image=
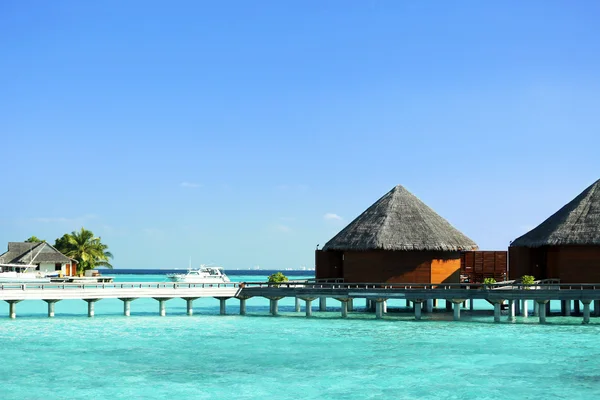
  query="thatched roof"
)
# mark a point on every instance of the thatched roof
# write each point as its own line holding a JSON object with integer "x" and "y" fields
{"x": 400, "y": 221}
{"x": 577, "y": 223}
{"x": 25, "y": 253}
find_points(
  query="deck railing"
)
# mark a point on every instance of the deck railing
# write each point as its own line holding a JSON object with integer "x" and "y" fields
{"x": 124, "y": 285}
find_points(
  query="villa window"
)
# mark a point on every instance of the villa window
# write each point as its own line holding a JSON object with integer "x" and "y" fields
{"x": 58, "y": 267}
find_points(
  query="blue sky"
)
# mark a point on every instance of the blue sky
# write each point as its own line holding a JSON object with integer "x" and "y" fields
{"x": 246, "y": 133}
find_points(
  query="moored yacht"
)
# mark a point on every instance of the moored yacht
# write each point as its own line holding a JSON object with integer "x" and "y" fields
{"x": 21, "y": 273}
{"x": 203, "y": 274}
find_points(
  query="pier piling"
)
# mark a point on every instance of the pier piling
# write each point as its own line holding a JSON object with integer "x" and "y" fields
{"x": 586, "y": 311}
{"x": 524, "y": 308}
{"x": 456, "y": 307}
{"x": 542, "y": 310}
{"x": 189, "y": 305}
{"x": 597, "y": 308}
{"x": 162, "y": 307}
{"x": 345, "y": 309}
{"x": 274, "y": 306}
{"x": 418, "y": 305}
{"x": 322, "y": 303}
{"x": 91, "y": 303}
{"x": 51, "y": 307}
{"x": 127, "y": 306}
{"x": 222, "y": 306}
{"x": 12, "y": 308}
{"x": 297, "y": 308}
{"x": 511, "y": 310}
{"x": 308, "y": 305}
{"x": 242, "y": 306}
{"x": 429, "y": 305}
{"x": 379, "y": 308}
{"x": 497, "y": 309}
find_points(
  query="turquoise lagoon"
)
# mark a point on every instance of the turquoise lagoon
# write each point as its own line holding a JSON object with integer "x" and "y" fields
{"x": 208, "y": 356}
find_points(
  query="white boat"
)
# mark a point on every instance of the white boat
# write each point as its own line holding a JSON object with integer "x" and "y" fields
{"x": 21, "y": 273}
{"x": 203, "y": 274}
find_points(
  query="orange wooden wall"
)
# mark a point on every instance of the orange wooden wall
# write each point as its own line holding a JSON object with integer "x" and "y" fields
{"x": 392, "y": 266}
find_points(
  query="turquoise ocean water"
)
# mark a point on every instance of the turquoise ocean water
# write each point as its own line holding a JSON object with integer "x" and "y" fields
{"x": 209, "y": 356}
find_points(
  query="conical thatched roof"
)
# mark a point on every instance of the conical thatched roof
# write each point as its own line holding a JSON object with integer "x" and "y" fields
{"x": 577, "y": 223}
{"x": 400, "y": 221}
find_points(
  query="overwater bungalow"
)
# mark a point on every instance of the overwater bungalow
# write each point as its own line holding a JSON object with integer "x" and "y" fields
{"x": 565, "y": 246}
{"x": 397, "y": 239}
{"x": 42, "y": 255}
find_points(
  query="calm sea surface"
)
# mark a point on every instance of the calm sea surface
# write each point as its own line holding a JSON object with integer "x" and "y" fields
{"x": 209, "y": 356}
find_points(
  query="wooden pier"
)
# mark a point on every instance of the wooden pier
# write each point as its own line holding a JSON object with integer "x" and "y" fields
{"x": 514, "y": 297}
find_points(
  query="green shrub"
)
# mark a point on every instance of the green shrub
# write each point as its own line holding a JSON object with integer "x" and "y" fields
{"x": 527, "y": 280}
{"x": 489, "y": 282}
{"x": 277, "y": 277}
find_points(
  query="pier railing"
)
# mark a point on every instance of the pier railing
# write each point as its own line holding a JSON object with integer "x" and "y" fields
{"x": 123, "y": 285}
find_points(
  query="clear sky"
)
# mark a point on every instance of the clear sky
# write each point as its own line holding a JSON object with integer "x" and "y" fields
{"x": 247, "y": 132}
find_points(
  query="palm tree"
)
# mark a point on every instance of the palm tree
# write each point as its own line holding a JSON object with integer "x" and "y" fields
{"x": 87, "y": 249}
{"x": 34, "y": 239}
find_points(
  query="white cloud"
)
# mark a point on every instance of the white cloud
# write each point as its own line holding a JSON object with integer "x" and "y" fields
{"x": 189, "y": 185}
{"x": 282, "y": 228}
{"x": 332, "y": 217}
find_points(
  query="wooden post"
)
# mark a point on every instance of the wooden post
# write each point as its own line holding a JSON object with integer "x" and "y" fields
{"x": 242, "y": 306}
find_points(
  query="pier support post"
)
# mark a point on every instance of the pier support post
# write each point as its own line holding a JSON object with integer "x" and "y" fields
{"x": 51, "y": 304}
{"x": 429, "y": 305}
{"x": 586, "y": 311}
{"x": 536, "y": 309}
{"x": 162, "y": 311}
{"x": 517, "y": 303}
{"x": 435, "y": 303}
{"x": 308, "y": 305}
{"x": 408, "y": 303}
{"x": 448, "y": 305}
{"x": 597, "y": 308}
{"x": 384, "y": 307}
{"x": 497, "y": 309}
{"x": 297, "y": 308}
{"x": 379, "y": 308}
{"x": 511, "y": 310}
{"x": 274, "y": 307}
{"x": 222, "y": 306}
{"x": 350, "y": 305}
{"x": 457, "y": 311}
{"x": 90, "y": 303}
{"x": 576, "y": 307}
{"x": 524, "y": 308}
{"x": 127, "y": 305}
{"x": 242, "y": 306}
{"x": 12, "y": 308}
{"x": 322, "y": 303}
{"x": 542, "y": 310}
{"x": 344, "y": 307}
{"x": 418, "y": 306}
{"x": 567, "y": 308}
{"x": 189, "y": 305}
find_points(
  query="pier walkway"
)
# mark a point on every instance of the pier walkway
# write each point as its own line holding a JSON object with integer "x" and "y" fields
{"x": 421, "y": 297}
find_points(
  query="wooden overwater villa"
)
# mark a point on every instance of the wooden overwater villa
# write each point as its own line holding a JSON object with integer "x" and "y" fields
{"x": 400, "y": 249}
